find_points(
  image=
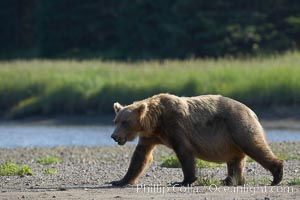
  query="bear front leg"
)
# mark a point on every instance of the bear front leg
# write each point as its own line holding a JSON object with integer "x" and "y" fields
{"x": 140, "y": 160}
{"x": 188, "y": 164}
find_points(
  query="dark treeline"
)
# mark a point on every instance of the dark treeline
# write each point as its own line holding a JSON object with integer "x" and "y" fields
{"x": 145, "y": 29}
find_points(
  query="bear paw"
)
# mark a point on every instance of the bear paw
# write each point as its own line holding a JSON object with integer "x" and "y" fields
{"x": 119, "y": 183}
{"x": 228, "y": 181}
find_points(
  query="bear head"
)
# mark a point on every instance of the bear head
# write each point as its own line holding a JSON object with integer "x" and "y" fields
{"x": 129, "y": 121}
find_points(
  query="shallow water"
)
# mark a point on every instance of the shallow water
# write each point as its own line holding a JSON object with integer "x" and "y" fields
{"x": 48, "y": 136}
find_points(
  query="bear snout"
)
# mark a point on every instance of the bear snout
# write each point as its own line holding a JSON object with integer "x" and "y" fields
{"x": 120, "y": 140}
{"x": 114, "y": 137}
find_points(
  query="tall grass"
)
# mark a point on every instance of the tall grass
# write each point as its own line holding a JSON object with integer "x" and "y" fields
{"x": 48, "y": 87}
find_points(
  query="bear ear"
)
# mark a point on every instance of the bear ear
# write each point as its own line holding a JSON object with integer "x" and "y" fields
{"x": 117, "y": 107}
{"x": 142, "y": 110}
{"x": 145, "y": 118}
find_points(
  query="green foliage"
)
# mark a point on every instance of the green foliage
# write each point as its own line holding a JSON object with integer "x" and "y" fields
{"x": 206, "y": 181}
{"x": 293, "y": 157}
{"x": 147, "y": 29}
{"x": 49, "y": 160}
{"x": 283, "y": 153}
{"x": 287, "y": 156}
{"x": 173, "y": 162}
{"x": 205, "y": 164}
{"x": 91, "y": 87}
{"x": 170, "y": 162}
{"x": 50, "y": 171}
{"x": 282, "y": 156}
{"x": 261, "y": 181}
{"x": 250, "y": 159}
{"x": 12, "y": 169}
{"x": 294, "y": 181}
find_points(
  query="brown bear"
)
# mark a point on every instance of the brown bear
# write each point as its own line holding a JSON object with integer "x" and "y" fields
{"x": 210, "y": 127}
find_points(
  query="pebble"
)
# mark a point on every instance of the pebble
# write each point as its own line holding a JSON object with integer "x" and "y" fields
{"x": 250, "y": 170}
{"x": 72, "y": 173}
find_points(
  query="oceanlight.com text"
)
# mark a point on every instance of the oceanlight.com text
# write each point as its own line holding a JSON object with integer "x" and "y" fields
{"x": 161, "y": 189}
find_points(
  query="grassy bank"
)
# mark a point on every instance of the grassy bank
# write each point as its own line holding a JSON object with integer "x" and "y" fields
{"x": 44, "y": 87}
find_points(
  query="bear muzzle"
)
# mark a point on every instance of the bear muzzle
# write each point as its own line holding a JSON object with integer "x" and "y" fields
{"x": 120, "y": 140}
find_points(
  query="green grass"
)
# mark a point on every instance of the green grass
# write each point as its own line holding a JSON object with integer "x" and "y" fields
{"x": 205, "y": 164}
{"x": 49, "y": 160}
{"x": 294, "y": 181}
{"x": 285, "y": 152}
{"x": 44, "y": 87}
{"x": 13, "y": 169}
{"x": 293, "y": 157}
{"x": 173, "y": 162}
{"x": 261, "y": 181}
{"x": 170, "y": 162}
{"x": 281, "y": 155}
{"x": 205, "y": 181}
{"x": 250, "y": 159}
{"x": 50, "y": 171}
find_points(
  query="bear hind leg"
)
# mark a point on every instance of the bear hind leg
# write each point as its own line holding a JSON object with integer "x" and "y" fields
{"x": 277, "y": 171}
{"x": 235, "y": 170}
{"x": 265, "y": 157}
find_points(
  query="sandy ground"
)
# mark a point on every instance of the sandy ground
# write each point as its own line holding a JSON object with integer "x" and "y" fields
{"x": 85, "y": 173}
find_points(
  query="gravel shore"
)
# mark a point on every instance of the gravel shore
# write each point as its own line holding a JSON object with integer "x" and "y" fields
{"x": 85, "y": 173}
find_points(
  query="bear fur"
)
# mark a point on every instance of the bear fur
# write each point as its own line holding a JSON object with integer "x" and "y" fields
{"x": 210, "y": 127}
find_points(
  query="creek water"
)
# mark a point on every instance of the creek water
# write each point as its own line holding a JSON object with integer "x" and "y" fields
{"x": 12, "y": 136}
